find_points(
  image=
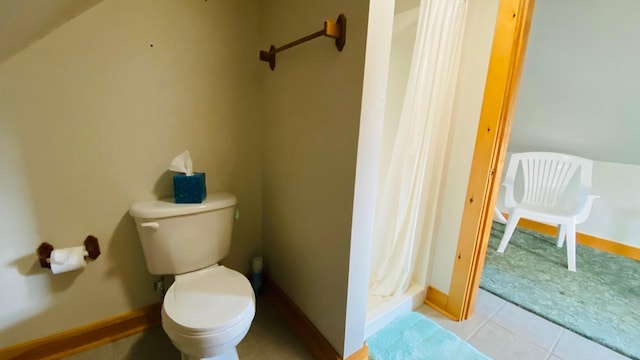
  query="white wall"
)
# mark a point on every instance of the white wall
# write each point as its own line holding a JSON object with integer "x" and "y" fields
{"x": 476, "y": 50}
{"x": 579, "y": 96}
{"x": 90, "y": 117}
{"x": 374, "y": 98}
{"x": 616, "y": 214}
{"x": 581, "y": 81}
{"x": 311, "y": 117}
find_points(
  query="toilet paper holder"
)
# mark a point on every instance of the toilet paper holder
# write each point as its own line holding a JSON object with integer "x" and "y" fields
{"x": 90, "y": 244}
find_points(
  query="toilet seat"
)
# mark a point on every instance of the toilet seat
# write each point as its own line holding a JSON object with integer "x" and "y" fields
{"x": 214, "y": 302}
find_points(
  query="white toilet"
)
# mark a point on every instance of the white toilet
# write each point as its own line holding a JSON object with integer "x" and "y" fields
{"x": 208, "y": 310}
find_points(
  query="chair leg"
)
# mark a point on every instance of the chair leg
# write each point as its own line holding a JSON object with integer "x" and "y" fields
{"x": 562, "y": 233}
{"x": 497, "y": 216}
{"x": 571, "y": 246}
{"x": 508, "y": 231}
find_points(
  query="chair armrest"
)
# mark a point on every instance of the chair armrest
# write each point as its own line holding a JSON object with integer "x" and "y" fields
{"x": 585, "y": 205}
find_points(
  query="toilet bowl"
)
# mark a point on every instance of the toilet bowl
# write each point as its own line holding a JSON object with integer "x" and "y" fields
{"x": 209, "y": 308}
{"x": 208, "y": 312}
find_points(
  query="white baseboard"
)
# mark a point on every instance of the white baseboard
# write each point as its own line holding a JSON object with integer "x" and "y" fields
{"x": 384, "y": 312}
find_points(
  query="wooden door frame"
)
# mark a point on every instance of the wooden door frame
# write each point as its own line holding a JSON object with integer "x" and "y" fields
{"x": 496, "y": 118}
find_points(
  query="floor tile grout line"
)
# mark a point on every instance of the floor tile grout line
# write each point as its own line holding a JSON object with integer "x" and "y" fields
{"x": 474, "y": 332}
{"x": 555, "y": 344}
{"x": 504, "y": 303}
{"x": 520, "y": 337}
{"x": 546, "y": 321}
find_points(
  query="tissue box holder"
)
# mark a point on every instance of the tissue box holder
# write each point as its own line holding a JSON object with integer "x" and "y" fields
{"x": 189, "y": 189}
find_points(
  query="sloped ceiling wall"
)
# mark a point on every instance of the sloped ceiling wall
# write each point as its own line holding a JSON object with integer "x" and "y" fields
{"x": 24, "y": 21}
{"x": 581, "y": 80}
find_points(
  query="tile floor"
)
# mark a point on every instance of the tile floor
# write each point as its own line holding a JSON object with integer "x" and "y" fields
{"x": 499, "y": 329}
{"x": 504, "y": 331}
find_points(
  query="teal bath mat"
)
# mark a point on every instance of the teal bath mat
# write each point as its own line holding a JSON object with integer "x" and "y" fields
{"x": 414, "y": 337}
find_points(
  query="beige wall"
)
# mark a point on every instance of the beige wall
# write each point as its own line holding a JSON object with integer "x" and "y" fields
{"x": 90, "y": 117}
{"x": 311, "y": 117}
{"x": 476, "y": 50}
{"x": 24, "y": 22}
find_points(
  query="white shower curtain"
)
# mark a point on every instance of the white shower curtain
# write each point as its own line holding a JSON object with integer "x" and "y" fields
{"x": 406, "y": 214}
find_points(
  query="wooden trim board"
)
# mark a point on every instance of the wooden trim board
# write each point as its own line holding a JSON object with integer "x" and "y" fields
{"x": 438, "y": 300}
{"x": 90, "y": 336}
{"x": 85, "y": 337}
{"x": 496, "y": 117}
{"x": 315, "y": 342}
{"x": 362, "y": 354}
{"x": 436, "y": 297}
{"x": 584, "y": 239}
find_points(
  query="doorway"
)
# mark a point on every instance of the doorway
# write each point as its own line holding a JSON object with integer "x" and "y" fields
{"x": 501, "y": 91}
{"x": 572, "y": 80}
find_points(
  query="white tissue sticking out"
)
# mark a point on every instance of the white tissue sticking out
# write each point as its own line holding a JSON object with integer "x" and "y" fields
{"x": 182, "y": 163}
{"x": 68, "y": 259}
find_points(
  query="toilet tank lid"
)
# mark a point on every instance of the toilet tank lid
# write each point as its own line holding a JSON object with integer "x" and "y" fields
{"x": 163, "y": 208}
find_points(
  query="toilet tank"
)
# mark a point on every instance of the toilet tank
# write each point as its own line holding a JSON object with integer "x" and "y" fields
{"x": 179, "y": 238}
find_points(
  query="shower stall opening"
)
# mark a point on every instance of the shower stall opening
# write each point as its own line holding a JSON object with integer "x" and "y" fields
{"x": 424, "y": 61}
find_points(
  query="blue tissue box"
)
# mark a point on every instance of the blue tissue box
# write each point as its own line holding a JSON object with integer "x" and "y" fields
{"x": 189, "y": 189}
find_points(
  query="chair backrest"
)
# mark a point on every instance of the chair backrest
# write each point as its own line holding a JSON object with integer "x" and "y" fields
{"x": 546, "y": 176}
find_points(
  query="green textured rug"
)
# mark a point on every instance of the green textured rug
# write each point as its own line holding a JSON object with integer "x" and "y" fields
{"x": 412, "y": 336}
{"x": 601, "y": 301}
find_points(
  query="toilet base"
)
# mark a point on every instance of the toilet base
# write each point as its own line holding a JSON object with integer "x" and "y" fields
{"x": 229, "y": 355}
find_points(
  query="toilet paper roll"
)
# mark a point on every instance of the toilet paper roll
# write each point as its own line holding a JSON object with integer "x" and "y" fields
{"x": 67, "y": 259}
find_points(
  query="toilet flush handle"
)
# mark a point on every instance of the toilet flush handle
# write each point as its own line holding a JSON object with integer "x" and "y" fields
{"x": 151, "y": 225}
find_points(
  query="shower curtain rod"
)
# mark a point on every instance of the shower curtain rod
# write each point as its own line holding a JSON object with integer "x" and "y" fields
{"x": 336, "y": 30}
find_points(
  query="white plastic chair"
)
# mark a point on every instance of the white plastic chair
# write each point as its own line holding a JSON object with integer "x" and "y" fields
{"x": 543, "y": 193}
{"x": 498, "y": 217}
